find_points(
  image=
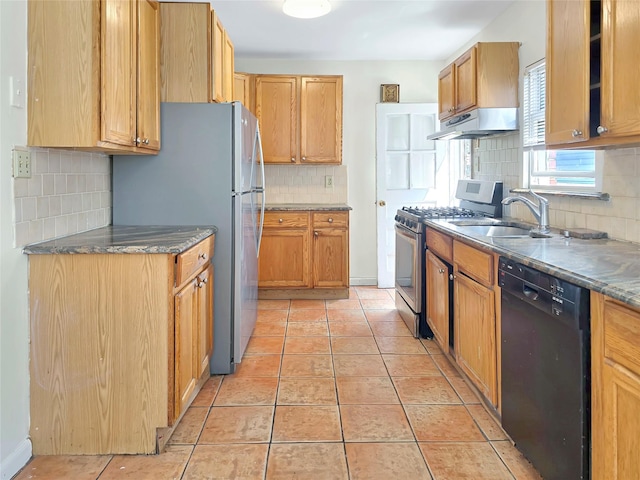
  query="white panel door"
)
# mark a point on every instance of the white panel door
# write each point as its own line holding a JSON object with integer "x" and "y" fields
{"x": 406, "y": 165}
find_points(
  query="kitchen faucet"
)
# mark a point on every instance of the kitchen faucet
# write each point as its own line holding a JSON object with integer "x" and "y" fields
{"x": 541, "y": 212}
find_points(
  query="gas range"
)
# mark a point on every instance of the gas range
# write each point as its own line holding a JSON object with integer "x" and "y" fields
{"x": 411, "y": 217}
{"x": 477, "y": 199}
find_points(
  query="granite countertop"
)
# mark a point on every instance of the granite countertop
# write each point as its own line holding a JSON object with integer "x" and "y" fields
{"x": 306, "y": 206}
{"x": 126, "y": 239}
{"x": 608, "y": 266}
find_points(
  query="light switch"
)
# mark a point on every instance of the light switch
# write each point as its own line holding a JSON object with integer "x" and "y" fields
{"x": 16, "y": 94}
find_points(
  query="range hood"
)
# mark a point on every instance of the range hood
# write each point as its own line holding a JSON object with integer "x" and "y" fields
{"x": 478, "y": 123}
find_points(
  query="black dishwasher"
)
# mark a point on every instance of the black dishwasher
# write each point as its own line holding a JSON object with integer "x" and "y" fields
{"x": 546, "y": 370}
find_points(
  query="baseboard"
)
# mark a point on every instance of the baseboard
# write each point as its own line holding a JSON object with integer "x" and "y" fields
{"x": 16, "y": 460}
{"x": 355, "y": 282}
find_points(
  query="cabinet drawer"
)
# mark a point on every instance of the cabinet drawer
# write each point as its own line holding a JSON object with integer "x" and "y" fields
{"x": 330, "y": 219}
{"x": 286, "y": 219}
{"x": 475, "y": 263}
{"x": 192, "y": 260}
{"x": 441, "y": 244}
{"x": 622, "y": 335}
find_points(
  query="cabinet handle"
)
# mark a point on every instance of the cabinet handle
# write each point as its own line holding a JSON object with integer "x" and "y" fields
{"x": 279, "y": 220}
{"x": 602, "y": 130}
{"x": 204, "y": 280}
{"x": 200, "y": 284}
{"x": 451, "y": 276}
{"x": 293, "y": 159}
{"x": 440, "y": 270}
{"x": 137, "y": 140}
{"x": 576, "y": 133}
{"x": 146, "y": 141}
{"x": 315, "y": 234}
{"x": 330, "y": 220}
{"x": 203, "y": 256}
{"x": 304, "y": 159}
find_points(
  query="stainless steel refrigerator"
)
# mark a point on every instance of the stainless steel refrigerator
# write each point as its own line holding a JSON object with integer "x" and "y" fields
{"x": 209, "y": 171}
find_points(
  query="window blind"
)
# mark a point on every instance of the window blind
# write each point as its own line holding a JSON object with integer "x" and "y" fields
{"x": 534, "y": 105}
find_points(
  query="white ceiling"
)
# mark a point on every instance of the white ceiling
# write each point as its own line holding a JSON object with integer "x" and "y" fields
{"x": 357, "y": 29}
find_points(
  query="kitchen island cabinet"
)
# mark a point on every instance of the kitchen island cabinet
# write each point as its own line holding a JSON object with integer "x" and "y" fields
{"x": 94, "y": 75}
{"x": 615, "y": 388}
{"x": 304, "y": 254}
{"x": 300, "y": 118}
{"x": 121, "y": 336}
{"x": 591, "y": 81}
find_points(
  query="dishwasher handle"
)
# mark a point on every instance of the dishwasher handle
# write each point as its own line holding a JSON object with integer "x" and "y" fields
{"x": 529, "y": 292}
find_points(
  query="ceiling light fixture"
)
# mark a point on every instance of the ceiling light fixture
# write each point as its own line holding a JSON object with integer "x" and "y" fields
{"x": 306, "y": 8}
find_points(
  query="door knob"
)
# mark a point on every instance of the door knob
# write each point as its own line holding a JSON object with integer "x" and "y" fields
{"x": 382, "y": 203}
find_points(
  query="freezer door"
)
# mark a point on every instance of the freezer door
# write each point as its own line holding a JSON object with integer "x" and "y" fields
{"x": 245, "y": 275}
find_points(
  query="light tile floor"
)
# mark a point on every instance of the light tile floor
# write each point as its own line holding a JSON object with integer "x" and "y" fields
{"x": 334, "y": 390}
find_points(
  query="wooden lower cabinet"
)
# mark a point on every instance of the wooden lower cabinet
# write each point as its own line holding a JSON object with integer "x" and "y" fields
{"x": 304, "y": 255}
{"x": 615, "y": 392}
{"x": 475, "y": 334}
{"x": 120, "y": 346}
{"x": 438, "y": 303}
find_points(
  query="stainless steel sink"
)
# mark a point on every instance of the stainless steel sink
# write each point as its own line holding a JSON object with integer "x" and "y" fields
{"x": 496, "y": 230}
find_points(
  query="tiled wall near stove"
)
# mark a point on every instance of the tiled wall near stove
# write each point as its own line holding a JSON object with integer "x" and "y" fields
{"x": 305, "y": 184}
{"x": 500, "y": 158}
{"x": 68, "y": 192}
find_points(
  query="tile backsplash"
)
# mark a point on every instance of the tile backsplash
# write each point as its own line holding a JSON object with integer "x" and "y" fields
{"x": 305, "y": 184}
{"x": 68, "y": 192}
{"x": 501, "y": 158}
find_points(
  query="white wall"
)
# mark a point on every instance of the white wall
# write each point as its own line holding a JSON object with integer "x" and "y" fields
{"x": 15, "y": 448}
{"x": 361, "y": 91}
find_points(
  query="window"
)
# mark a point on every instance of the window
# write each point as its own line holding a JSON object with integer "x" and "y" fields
{"x": 565, "y": 170}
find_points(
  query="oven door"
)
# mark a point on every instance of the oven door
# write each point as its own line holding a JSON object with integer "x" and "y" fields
{"x": 408, "y": 265}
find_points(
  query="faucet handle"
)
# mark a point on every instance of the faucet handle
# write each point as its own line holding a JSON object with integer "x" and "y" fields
{"x": 540, "y": 198}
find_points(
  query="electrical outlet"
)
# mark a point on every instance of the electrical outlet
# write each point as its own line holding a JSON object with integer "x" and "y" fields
{"x": 21, "y": 163}
{"x": 328, "y": 181}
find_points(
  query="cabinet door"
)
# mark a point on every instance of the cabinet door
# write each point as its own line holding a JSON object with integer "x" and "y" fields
{"x": 277, "y": 112}
{"x": 446, "y": 92}
{"x": 330, "y": 258}
{"x": 438, "y": 299}
{"x": 567, "y": 72}
{"x": 118, "y": 63}
{"x": 148, "y": 121}
{"x": 284, "y": 258}
{"x": 217, "y": 58}
{"x": 475, "y": 334}
{"x": 185, "y": 51}
{"x": 620, "y": 60}
{"x": 321, "y": 120}
{"x": 243, "y": 89}
{"x": 186, "y": 359}
{"x": 205, "y": 320}
{"x": 228, "y": 69}
{"x": 466, "y": 93}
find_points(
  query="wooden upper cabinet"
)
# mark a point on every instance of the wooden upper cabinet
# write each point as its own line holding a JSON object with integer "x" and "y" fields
{"x": 592, "y": 58}
{"x": 217, "y": 58}
{"x": 485, "y": 76}
{"x": 196, "y": 57}
{"x": 149, "y": 73}
{"x": 620, "y": 113}
{"x": 466, "y": 81}
{"x": 446, "y": 92}
{"x": 276, "y": 109}
{"x": 321, "y": 120}
{"x": 89, "y": 86}
{"x": 185, "y": 50}
{"x": 300, "y": 118}
{"x": 229, "y": 68}
{"x": 244, "y": 89}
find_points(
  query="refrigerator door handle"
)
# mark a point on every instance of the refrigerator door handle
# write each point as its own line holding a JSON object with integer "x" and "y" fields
{"x": 259, "y": 139}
